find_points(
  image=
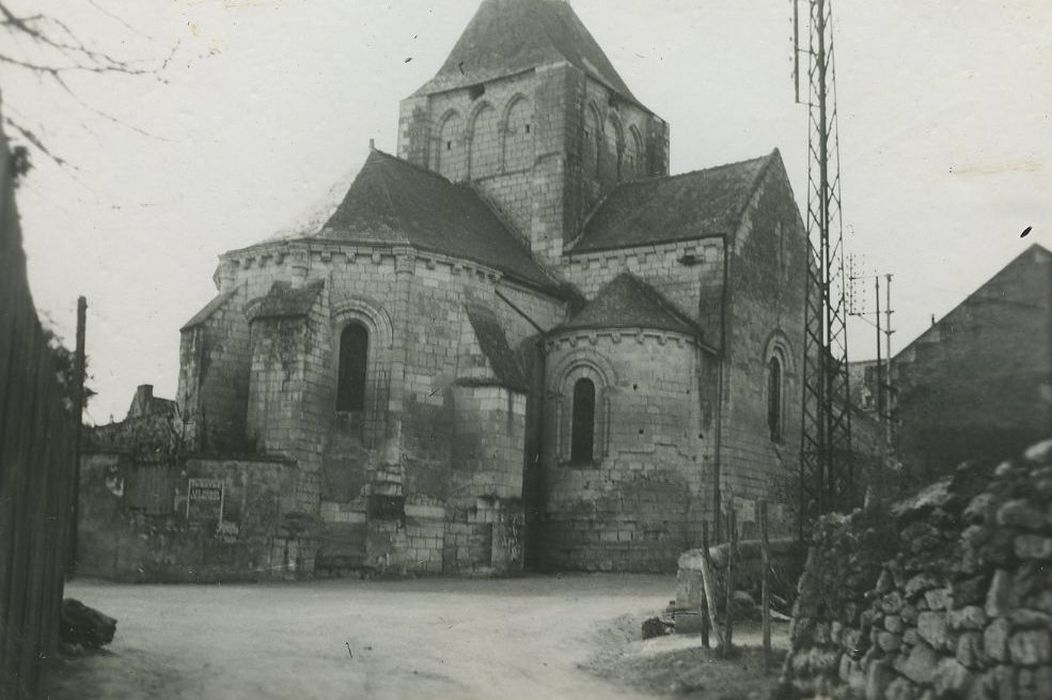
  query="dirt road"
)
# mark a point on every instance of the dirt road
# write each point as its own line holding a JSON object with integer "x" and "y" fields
{"x": 431, "y": 638}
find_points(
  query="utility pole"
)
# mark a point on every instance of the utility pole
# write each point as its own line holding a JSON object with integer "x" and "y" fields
{"x": 889, "y": 379}
{"x": 880, "y": 363}
{"x": 884, "y": 394}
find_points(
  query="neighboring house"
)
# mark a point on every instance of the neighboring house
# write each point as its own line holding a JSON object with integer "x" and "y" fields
{"x": 518, "y": 342}
{"x": 978, "y": 384}
{"x": 863, "y": 383}
{"x": 145, "y": 404}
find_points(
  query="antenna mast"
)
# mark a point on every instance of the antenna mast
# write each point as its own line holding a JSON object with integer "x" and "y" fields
{"x": 826, "y": 468}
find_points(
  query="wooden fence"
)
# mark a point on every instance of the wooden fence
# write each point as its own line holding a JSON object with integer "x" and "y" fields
{"x": 36, "y": 469}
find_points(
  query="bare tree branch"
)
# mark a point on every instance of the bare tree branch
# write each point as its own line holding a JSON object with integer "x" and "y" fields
{"x": 76, "y": 51}
{"x": 32, "y": 138}
{"x": 69, "y": 54}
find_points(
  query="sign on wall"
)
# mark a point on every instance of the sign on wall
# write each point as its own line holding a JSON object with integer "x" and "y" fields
{"x": 204, "y": 500}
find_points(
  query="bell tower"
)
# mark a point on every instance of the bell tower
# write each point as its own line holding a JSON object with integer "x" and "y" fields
{"x": 529, "y": 111}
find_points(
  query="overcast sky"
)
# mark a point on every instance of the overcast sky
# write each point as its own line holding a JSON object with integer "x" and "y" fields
{"x": 265, "y": 105}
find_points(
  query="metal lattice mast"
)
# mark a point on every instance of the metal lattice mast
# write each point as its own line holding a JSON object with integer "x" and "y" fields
{"x": 826, "y": 469}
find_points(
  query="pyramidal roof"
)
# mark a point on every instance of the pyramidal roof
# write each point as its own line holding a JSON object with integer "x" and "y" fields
{"x": 629, "y": 302}
{"x": 506, "y": 37}
{"x": 392, "y": 201}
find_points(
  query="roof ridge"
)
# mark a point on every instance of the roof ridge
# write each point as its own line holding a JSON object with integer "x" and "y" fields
{"x": 503, "y": 222}
{"x": 656, "y": 178}
{"x": 697, "y": 171}
{"x": 594, "y": 71}
{"x": 591, "y": 214}
{"x": 414, "y": 166}
{"x": 761, "y": 174}
{"x": 626, "y": 286}
{"x": 970, "y": 295}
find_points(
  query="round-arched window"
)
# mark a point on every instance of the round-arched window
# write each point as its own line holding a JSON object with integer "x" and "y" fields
{"x": 774, "y": 398}
{"x": 582, "y": 423}
{"x": 354, "y": 363}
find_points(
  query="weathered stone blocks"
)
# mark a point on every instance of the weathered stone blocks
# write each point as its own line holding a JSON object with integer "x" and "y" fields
{"x": 972, "y": 621}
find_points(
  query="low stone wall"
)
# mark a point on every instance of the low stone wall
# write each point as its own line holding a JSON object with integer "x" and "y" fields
{"x": 947, "y": 594}
{"x": 201, "y": 521}
{"x": 785, "y": 568}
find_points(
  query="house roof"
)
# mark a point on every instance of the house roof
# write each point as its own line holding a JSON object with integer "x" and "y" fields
{"x": 395, "y": 202}
{"x": 494, "y": 345}
{"x": 506, "y": 37}
{"x": 285, "y": 301}
{"x": 629, "y": 302}
{"x": 681, "y": 207}
{"x": 1035, "y": 252}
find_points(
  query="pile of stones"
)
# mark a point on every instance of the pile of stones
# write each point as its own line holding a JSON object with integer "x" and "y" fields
{"x": 947, "y": 594}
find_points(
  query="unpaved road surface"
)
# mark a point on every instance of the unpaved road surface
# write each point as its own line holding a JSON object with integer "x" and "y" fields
{"x": 431, "y": 638}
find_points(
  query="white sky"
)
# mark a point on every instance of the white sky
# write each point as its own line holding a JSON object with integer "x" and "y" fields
{"x": 946, "y": 140}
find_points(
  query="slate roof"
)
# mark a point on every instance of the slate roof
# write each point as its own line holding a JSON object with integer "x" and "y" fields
{"x": 283, "y": 301}
{"x": 395, "y": 202}
{"x": 629, "y": 302}
{"x": 210, "y": 308}
{"x": 680, "y": 207}
{"x": 506, "y": 37}
{"x": 494, "y": 345}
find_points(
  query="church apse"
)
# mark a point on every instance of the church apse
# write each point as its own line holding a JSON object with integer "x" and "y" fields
{"x": 519, "y": 335}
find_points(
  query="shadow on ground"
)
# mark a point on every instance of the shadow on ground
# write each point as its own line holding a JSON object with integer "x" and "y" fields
{"x": 678, "y": 665}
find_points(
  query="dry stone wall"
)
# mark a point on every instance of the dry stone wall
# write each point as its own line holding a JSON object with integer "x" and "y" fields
{"x": 947, "y": 594}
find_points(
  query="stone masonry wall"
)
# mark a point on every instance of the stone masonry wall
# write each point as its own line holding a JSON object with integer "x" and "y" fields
{"x": 639, "y": 504}
{"x": 488, "y": 441}
{"x": 214, "y": 361}
{"x": 618, "y": 142}
{"x": 290, "y": 390}
{"x": 134, "y": 524}
{"x": 948, "y": 594}
{"x": 385, "y": 483}
{"x": 695, "y": 289}
{"x": 765, "y": 317}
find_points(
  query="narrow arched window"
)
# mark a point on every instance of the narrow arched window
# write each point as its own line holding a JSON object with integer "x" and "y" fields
{"x": 449, "y": 157}
{"x": 354, "y": 357}
{"x": 582, "y": 425}
{"x": 593, "y": 137}
{"x": 518, "y": 142}
{"x": 633, "y": 167}
{"x": 611, "y": 152}
{"x": 774, "y": 398}
{"x": 484, "y": 153}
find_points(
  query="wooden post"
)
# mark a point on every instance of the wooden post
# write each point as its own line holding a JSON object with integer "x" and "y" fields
{"x": 704, "y": 595}
{"x": 78, "y": 420}
{"x": 728, "y": 626}
{"x": 765, "y": 594}
{"x": 707, "y": 580}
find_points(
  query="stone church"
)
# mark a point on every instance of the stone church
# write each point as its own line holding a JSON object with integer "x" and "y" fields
{"x": 519, "y": 341}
